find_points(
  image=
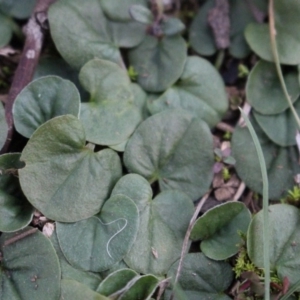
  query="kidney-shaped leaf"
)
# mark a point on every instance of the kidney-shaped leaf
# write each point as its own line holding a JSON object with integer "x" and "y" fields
{"x": 89, "y": 279}
{"x": 42, "y": 100}
{"x": 287, "y": 34}
{"x": 162, "y": 227}
{"x": 200, "y": 91}
{"x": 16, "y": 8}
{"x": 111, "y": 116}
{"x": 280, "y": 128}
{"x": 284, "y": 236}
{"x": 219, "y": 228}
{"x": 29, "y": 266}
{"x": 97, "y": 243}
{"x": 264, "y": 91}
{"x": 174, "y": 148}
{"x": 202, "y": 278}
{"x": 85, "y": 33}
{"x": 74, "y": 290}
{"x": 62, "y": 177}
{"x": 281, "y": 162}
{"x": 158, "y": 62}
{"x": 15, "y": 211}
{"x": 5, "y": 30}
{"x": 116, "y": 281}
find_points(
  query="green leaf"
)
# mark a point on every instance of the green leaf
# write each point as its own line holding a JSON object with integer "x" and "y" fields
{"x": 240, "y": 16}
{"x": 110, "y": 117}
{"x": 3, "y": 126}
{"x": 287, "y": 34}
{"x": 116, "y": 281}
{"x": 200, "y": 91}
{"x": 218, "y": 229}
{"x": 97, "y": 243}
{"x": 63, "y": 178}
{"x": 89, "y": 279}
{"x": 284, "y": 222}
{"x": 142, "y": 288}
{"x": 73, "y": 290}
{"x": 281, "y": 128}
{"x": 140, "y": 100}
{"x": 126, "y": 34}
{"x": 17, "y": 9}
{"x": 42, "y": 100}
{"x": 200, "y": 34}
{"x": 140, "y": 13}
{"x": 5, "y": 30}
{"x": 85, "y": 33}
{"x": 29, "y": 267}
{"x": 172, "y": 26}
{"x": 264, "y": 91}
{"x": 281, "y": 162}
{"x": 15, "y": 210}
{"x": 175, "y": 149}
{"x": 202, "y": 278}
{"x": 158, "y": 62}
{"x": 51, "y": 65}
{"x": 162, "y": 227}
{"x": 117, "y": 12}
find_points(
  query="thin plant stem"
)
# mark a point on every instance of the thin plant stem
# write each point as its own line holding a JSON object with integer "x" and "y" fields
{"x": 266, "y": 235}
{"x": 187, "y": 236}
{"x": 220, "y": 59}
{"x": 277, "y": 62}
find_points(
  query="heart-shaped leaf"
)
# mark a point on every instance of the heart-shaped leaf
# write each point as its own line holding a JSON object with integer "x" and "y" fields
{"x": 17, "y": 9}
{"x": 140, "y": 13}
{"x": 89, "y": 279}
{"x": 97, "y": 243}
{"x": 63, "y": 178}
{"x": 182, "y": 161}
{"x": 200, "y": 91}
{"x": 89, "y": 34}
{"x": 111, "y": 116}
{"x": 5, "y": 30}
{"x": 42, "y": 100}
{"x": 158, "y": 62}
{"x": 287, "y": 28}
{"x": 163, "y": 224}
{"x": 15, "y": 210}
{"x": 126, "y": 34}
{"x": 115, "y": 11}
{"x": 85, "y": 36}
{"x": 264, "y": 91}
{"x": 281, "y": 162}
{"x": 284, "y": 235}
{"x": 3, "y": 126}
{"x": 200, "y": 34}
{"x": 116, "y": 281}
{"x": 202, "y": 278}
{"x": 172, "y": 26}
{"x": 29, "y": 266}
{"x": 218, "y": 229}
{"x": 141, "y": 288}
{"x": 72, "y": 289}
{"x": 281, "y": 128}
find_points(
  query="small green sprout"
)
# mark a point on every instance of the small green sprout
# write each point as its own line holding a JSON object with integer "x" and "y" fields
{"x": 227, "y": 135}
{"x": 226, "y": 174}
{"x": 243, "y": 71}
{"x": 132, "y": 73}
{"x": 293, "y": 196}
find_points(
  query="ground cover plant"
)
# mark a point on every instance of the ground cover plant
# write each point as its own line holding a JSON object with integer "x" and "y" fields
{"x": 127, "y": 170}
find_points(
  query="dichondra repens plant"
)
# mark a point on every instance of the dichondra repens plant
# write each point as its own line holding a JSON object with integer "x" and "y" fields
{"x": 119, "y": 150}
